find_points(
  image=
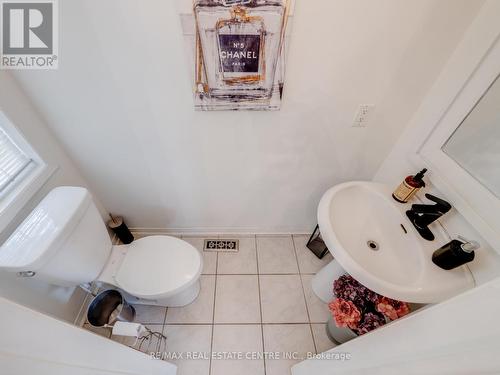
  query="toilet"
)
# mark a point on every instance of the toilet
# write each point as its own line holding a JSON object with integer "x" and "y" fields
{"x": 64, "y": 242}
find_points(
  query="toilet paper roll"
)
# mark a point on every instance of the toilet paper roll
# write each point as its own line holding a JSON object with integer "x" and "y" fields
{"x": 128, "y": 329}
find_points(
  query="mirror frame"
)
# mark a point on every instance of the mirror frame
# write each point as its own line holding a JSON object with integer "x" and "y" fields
{"x": 474, "y": 67}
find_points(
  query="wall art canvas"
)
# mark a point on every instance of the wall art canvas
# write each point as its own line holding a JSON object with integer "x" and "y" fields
{"x": 239, "y": 53}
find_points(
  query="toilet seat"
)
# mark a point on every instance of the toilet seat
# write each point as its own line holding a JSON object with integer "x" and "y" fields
{"x": 157, "y": 267}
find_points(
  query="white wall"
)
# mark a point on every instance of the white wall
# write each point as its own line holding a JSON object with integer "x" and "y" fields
{"x": 121, "y": 104}
{"x": 451, "y": 338}
{"x": 63, "y": 303}
{"x": 33, "y": 343}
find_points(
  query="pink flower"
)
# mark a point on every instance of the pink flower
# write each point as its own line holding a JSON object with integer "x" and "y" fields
{"x": 345, "y": 313}
{"x": 391, "y": 308}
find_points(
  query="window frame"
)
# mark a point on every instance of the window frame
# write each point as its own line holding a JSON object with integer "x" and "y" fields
{"x": 16, "y": 197}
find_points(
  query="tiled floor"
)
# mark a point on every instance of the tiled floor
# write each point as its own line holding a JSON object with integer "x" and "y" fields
{"x": 256, "y": 300}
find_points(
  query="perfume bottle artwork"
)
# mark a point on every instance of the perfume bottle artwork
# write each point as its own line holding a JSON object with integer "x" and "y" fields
{"x": 239, "y": 54}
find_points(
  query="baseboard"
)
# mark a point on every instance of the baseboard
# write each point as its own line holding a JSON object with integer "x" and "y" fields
{"x": 200, "y": 231}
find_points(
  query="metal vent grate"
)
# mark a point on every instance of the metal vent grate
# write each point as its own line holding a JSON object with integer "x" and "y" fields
{"x": 222, "y": 245}
{"x": 234, "y": 2}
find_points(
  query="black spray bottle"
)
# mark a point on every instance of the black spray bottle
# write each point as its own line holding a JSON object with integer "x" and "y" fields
{"x": 455, "y": 253}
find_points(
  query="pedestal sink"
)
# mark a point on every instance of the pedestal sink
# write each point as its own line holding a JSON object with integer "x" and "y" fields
{"x": 371, "y": 238}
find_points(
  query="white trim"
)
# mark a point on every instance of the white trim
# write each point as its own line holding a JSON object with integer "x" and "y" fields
{"x": 13, "y": 201}
{"x": 469, "y": 73}
{"x": 222, "y": 231}
{"x": 20, "y": 196}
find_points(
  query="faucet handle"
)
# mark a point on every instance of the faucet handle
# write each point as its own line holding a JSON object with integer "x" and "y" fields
{"x": 440, "y": 208}
{"x": 469, "y": 246}
{"x": 443, "y": 205}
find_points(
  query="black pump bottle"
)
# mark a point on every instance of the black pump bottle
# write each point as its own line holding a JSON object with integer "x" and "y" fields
{"x": 455, "y": 253}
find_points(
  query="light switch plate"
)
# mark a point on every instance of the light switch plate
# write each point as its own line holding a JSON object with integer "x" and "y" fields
{"x": 363, "y": 115}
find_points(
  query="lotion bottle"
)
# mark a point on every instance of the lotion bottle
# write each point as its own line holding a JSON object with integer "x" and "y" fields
{"x": 455, "y": 253}
{"x": 409, "y": 187}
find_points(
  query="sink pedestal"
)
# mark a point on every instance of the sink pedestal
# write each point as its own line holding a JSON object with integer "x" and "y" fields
{"x": 338, "y": 335}
{"x": 322, "y": 282}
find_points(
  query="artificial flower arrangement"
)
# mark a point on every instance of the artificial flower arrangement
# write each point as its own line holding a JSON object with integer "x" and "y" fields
{"x": 361, "y": 309}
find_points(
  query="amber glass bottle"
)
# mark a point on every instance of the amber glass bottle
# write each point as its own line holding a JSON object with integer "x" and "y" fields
{"x": 409, "y": 187}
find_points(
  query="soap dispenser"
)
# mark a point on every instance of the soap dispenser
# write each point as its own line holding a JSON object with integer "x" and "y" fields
{"x": 455, "y": 253}
{"x": 409, "y": 187}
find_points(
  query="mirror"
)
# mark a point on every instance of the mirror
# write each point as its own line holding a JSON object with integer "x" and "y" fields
{"x": 475, "y": 145}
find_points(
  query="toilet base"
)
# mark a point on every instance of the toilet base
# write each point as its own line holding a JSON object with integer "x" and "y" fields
{"x": 181, "y": 299}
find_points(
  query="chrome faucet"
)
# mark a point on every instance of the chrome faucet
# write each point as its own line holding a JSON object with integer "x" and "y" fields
{"x": 423, "y": 215}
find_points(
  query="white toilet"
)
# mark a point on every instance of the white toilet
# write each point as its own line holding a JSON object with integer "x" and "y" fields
{"x": 64, "y": 242}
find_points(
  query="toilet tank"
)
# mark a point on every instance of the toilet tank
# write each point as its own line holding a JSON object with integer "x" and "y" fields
{"x": 63, "y": 241}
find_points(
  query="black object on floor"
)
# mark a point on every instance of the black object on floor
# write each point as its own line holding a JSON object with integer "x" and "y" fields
{"x": 316, "y": 244}
{"x": 121, "y": 230}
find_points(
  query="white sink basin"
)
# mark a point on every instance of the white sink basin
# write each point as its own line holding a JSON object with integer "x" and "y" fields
{"x": 371, "y": 238}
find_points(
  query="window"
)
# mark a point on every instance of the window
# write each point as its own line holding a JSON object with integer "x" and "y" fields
{"x": 13, "y": 162}
{"x": 22, "y": 172}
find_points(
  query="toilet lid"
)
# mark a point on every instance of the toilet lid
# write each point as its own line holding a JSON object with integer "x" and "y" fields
{"x": 157, "y": 266}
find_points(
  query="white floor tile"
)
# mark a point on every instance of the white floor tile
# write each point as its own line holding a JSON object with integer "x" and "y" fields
{"x": 242, "y": 262}
{"x": 209, "y": 257}
{"x": 287, "y": 338}
{"x": 188, "y": 339}
{"x": 237, "y": 299}
{"x": 145, "y": 314}
{"x": 282, "y": 299}
{"x": 276, "y": 255}
{"x": 318, "y": 310}
{"x": 245, "y": 339}
{"x": 308, "y": 262}
{"x": 198, "y": 311}
{"x": 323, "y": 343}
